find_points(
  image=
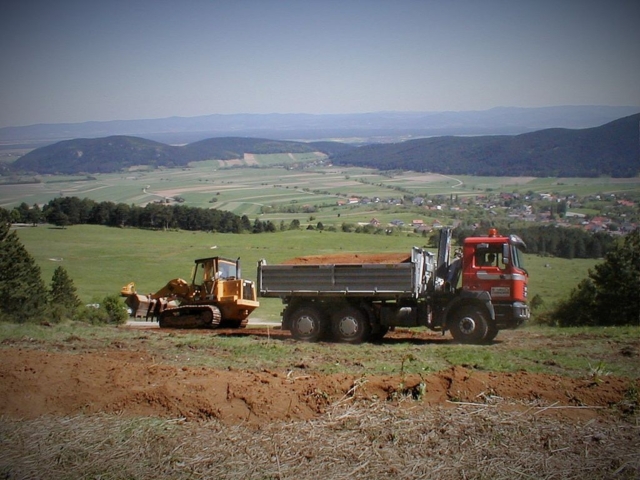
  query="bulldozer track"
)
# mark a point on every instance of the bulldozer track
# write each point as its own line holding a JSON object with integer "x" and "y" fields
{"x": 191, "y": 316}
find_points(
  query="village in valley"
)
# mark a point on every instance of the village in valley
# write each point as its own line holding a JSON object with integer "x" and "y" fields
{"x": 609, "y": 213}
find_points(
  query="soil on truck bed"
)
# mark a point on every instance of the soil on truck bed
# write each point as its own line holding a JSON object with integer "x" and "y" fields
{"x": 349, "y": 259}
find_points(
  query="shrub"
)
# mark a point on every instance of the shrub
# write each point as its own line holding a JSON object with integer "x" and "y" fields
{"x": 609, "y": 296}
{"x": 115, "y": 308}
{"x": 578, "y": 309}
{"x": 536, "y": 302}
{"x": 111, "y": 310}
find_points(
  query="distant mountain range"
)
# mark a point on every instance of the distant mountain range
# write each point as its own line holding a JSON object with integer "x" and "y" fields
{"x": 611, "y": 149}
{"x": 377, "y": 127}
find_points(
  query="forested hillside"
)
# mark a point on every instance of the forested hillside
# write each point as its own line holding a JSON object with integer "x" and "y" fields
{"x": 101, "y": 155}
{"x": 112, "y": 154}
{"x": 611, "y": 149}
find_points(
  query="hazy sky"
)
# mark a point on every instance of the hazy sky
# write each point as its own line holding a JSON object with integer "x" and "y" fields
{"x": 75, "y": 61}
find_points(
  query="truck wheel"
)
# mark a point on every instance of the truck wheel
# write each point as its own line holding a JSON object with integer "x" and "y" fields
{"x": 468, "y": 325}
{"x": 350, "y": 326}
{"x": 377, "y": 334}
{"x": 492, "y": 331}
{"x": 307, "y": 324}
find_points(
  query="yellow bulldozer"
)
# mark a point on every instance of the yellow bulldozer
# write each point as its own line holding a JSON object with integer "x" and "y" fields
{"x": 216, "y": 297}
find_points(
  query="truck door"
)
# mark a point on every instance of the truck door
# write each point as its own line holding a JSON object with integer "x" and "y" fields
{"x": 489, "y": 269}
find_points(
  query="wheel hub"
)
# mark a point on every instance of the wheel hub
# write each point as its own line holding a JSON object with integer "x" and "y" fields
{"x": 467, "y": 325}
{"x": 305, "y": 325}
{"x": 348, "y": 326}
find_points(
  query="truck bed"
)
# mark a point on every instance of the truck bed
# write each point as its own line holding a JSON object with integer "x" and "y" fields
{"x": 380, "y": 280}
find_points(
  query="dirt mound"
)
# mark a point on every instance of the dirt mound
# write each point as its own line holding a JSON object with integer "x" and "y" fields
{"x": 349, "y": 259}
{"x": 36, "y": 383}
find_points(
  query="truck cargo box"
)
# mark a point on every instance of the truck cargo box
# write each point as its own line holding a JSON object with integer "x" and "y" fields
{"x": 380, "y": 280}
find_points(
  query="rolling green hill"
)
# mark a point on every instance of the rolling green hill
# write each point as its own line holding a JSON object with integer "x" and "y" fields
{"x": 100, "y": 155}
{"x": 116, "y": 153}
{"x": 611, "y": 149}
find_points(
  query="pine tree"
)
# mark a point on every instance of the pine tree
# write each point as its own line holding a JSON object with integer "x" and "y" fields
{"x": 23, "y": 293}
{"x": 63, "y": 295}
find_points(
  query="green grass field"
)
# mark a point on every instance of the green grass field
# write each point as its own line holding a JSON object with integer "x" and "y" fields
{"x": 100, "y": 260}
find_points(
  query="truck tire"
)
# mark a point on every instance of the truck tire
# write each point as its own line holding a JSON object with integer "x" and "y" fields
{"x": 492, "y": 332}
{"x": 308, "y": 324}
{"x": 469, "y": 325}
{"x": 350, "y": 325}
{"x": 377, "y": 334}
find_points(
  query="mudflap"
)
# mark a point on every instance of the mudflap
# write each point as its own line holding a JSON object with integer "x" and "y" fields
{"x": 191, "y": 316}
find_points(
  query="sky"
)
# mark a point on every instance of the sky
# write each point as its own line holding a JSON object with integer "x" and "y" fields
{"x": 70, "y": 61}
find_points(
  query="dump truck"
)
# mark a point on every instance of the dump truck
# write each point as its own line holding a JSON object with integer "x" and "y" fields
{"x": 473, "y": 292}
{"x": 216, "y": 297}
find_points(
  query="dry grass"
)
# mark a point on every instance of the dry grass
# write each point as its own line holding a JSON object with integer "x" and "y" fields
{"x": 374, "y": 440}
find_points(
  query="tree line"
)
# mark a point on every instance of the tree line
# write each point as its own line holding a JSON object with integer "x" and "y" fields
{"x": 65, "y": 211}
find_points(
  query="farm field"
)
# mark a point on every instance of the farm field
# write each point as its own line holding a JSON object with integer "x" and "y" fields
{"x": 280, "y": 193}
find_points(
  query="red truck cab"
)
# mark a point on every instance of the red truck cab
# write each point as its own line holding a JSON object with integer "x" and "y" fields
{"x": 494, "y": 264}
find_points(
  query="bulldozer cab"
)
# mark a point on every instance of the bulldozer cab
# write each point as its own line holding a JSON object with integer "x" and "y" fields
{"x": 207, "y": 271}
{"x": 214, "y": 268}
